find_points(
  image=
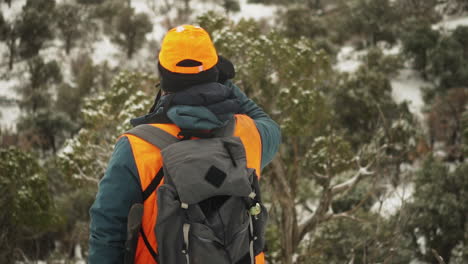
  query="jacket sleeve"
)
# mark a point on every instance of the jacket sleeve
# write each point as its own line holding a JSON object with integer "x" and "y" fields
{"x": 268, "y": 129}
{"x": 118, "y": 191}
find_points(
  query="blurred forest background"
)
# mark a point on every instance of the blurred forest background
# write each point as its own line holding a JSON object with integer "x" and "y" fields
{"x": 371, "y": 96}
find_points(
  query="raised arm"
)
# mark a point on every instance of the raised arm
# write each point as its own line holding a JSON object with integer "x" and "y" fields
{"x": 268, "y": 129}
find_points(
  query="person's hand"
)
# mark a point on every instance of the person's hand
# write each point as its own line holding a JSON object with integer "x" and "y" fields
{"x": 226, "y": 69}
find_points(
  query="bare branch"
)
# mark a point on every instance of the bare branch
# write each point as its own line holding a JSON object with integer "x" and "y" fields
{"x": 349, "y": 213}
{"x": 83, "y": 176}
{"x": 319, "y": 216}
{"x": 437, "y": 256}
{"x": 320, "y": 179}
{"x": 349, "y": 184}
{"x": 348, "y": 216}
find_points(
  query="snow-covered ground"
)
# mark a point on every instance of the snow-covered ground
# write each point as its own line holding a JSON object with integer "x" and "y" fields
{"x": 9, "y": 112}
{"x": 393, "y": 200}
{"x": 105, "y": 50}
{"x": 9, "y": 13}
{"x": 254, "y": 11}
{"x": 9, "y": 116}
{"x": 407, "y": 87}
{"x": 247, "y": 11}
{"x": 348, "y": 59}
{"x": 451, "y": 23}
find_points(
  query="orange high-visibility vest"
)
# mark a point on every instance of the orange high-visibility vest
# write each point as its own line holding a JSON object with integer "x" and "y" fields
{"x": 148, "y": 161}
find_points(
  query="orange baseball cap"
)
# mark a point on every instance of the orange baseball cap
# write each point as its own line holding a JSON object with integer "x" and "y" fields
{"x": 187, "y": 42}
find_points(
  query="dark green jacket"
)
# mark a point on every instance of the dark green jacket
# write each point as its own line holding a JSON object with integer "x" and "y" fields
{"x": 120, "y": 187}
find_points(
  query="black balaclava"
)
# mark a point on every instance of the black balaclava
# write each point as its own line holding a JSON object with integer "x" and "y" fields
{"x": 175, "y": 82}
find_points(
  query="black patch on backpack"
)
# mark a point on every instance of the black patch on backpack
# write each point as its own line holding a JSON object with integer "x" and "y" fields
{"x": 215, "y": 176}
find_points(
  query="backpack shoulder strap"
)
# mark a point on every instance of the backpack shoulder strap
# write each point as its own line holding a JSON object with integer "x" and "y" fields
{"x": 153, "y": 135}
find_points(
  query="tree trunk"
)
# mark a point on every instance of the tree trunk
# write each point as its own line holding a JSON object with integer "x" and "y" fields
{"x": 68, "y": 45}
{"x": 130, "y": 47}
{"x": 424, "y": 65}
{"x": 287, "y": 236}
{"x": 286, "y": 201}
{"x": 12, "y": 48}
{"x": 186, "y": 6}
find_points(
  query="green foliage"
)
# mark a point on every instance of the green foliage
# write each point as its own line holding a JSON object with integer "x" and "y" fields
{"x": 106, "y": 116}
{"x": 70, "y": 20}
{"x": 26, "y": 203}
{"x": 464, "y": 125}
{"x": 449, "y": 64}
{"x": 460, "y": 34}
{"x": 366, "y": 238}
{"x": 441, "y": 58}
{"x": 85, "y": 74}
{"x": 45, "y": 129}
{"x": 438, "y": 212}
{"x": 35, "y": 26}
{"x": 43, "y": 126}
{"x": 375, "y": 20}
{"x": 329, "y": 155}
{"x": 42, "y": 76}
{"x": 212, "y": 22}
{"x": 108, "y": 12}
{"x": 130, "y": 30}
{"x": 86, "y": 77}
{"x": 416, "y": 11}
{"x": 363, "y": 102}
{"x": 231, "y": 6}
{"x": 9, "y": 32}
{"x": 377, "y": 61}
{"x": 417, "y": 42}
{"x": 298, "y": 22}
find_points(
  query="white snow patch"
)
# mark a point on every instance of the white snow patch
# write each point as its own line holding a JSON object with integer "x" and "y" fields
{"x": 394, "y": 200}
{"x": 254, "y": 11}
{"x": 422, "y": 243}
{"x": 7, "y": 88}
{"x": 9, "y": 116}
{"x": 451, "y": 23}
{"x": 407, "y": 87}
{"x": 348, "y": 59}
{"x": 9, "y": 113}
{"x": 79, "y": 255}
{"x": 416, "y": 261}
{"x": 391, "y": 51}
{"x": 140, "y": 6}
{"x": 9, "y": 13}
{"x": 105, "y": 50}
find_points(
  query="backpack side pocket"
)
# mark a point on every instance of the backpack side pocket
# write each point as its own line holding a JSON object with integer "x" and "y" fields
{"x": 205, "y": 247}
{"x": 169, "y": 233}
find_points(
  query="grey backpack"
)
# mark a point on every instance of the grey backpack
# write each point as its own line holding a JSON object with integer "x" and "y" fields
{"x": 209, "y": 207}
